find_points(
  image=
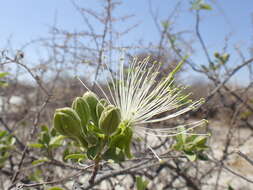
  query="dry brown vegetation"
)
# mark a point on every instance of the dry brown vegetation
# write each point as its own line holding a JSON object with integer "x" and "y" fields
{"x": 36, "y": 90}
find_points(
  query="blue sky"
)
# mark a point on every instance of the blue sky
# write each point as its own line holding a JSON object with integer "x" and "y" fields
{"x": 22, "y": 21}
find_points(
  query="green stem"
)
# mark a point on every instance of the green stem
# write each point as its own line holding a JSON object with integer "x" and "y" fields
{"x": 97, "y": 160}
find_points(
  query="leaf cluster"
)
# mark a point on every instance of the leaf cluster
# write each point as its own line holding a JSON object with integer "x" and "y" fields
{"x": 192, "y": 146}
{"x": 48, "y": 140}
{"x": 7, "y": 142}
{"x": 96, "y": 128}
{"x": 3, "y": 83}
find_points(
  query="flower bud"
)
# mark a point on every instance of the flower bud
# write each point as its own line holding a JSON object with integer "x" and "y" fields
{"x": 58, "y": 126}
{"x": 82, "y": 109}
{"x": 225, "y": 57}
{"x": 109, "y": 119}
{"x": 99, "y": 109}
{"x": 92, "y": 101}
{"x": 104, "y": 102}
{"x": 101, "y": 106}
{"x": 67, "y": 122}
{"x": 216, "y": 54}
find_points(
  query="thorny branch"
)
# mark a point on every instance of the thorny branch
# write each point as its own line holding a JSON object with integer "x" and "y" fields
{"x": 231, "y": 105}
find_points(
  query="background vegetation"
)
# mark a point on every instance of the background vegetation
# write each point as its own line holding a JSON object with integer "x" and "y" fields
{"x": 32, "y": 156}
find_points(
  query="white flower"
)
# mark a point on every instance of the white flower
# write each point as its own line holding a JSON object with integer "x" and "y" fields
{"x": 142, "y": 99}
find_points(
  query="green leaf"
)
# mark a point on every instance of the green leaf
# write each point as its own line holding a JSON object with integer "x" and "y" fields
{"x": 44, "y": 128}
{"x": 39, "y": 161}
{"x": 230, "y": 187}
{"x": 93, "y": 151}
{"x": 200, "y": 141}
{"x": 117, "y": 141}
{"x": 65, "y": 153}
{"x": 3, "y": 83}
{"x": 191, "y": 138}
{"x": 91, "y": 138}
{"x": 53, "y": 132}
{"x": 45, "y": 138}
{"x": 3, "y": 74}
{"x": 203, "y": 157}
{"x": 3, "y": 159}
{"x": 12, "y": 141}
{"x": 191, "y": 156}
{"x": 181, "y": 139}
{"x": 114, "y": 154}
{"x": 141, "y": 184}
{"x": 200, "y": 5}
{"x": 56, "y": 141}
{"x": 122, "y": 140}
{"x": 55, "y": 188}
{"x": 128, "y": 139}
{"x": 3, "y": 133}
{"x": 177, "y": 146}
{"x": 205, "y": 6}
{"x": 75, "y": 156}
{"x": 36, "y": 145}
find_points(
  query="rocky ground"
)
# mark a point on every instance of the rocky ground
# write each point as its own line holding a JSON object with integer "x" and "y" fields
{"x": 242, "y": 141}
